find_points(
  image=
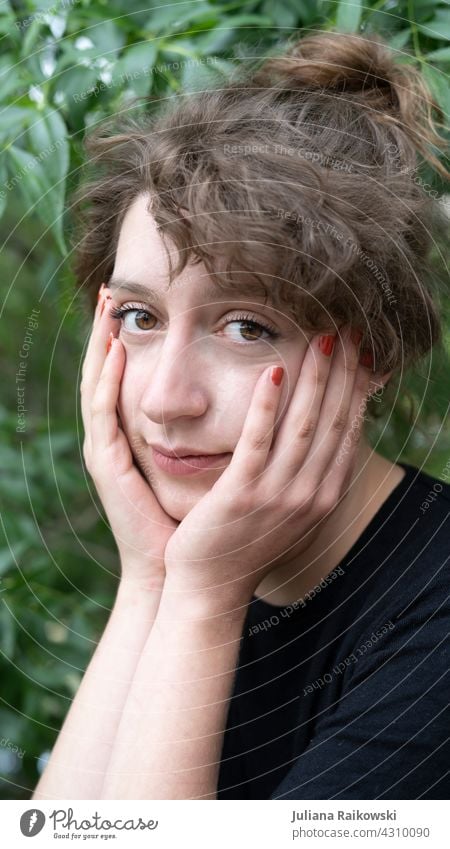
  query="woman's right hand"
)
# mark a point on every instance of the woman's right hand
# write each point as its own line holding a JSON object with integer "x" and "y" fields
{"x": 140, "y": 526}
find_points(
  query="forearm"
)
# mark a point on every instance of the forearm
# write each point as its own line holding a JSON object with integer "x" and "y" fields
{"x": 80, "y": 756}
{"x": 169, "y": 741}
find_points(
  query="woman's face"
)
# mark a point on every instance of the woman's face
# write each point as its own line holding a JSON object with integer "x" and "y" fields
{"x": 191, "y": 361}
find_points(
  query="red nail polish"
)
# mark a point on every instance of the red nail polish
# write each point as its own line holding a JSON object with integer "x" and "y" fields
{"x": 326, "y": 345}
{"x": 277, "y": 375}
{"x": 366, "y": 359}
{"x": 109, "y": 342}
{"x": 356, "y": 336}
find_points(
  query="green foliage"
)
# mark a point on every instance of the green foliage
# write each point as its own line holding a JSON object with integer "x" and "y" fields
{"x": 64, "y": 67}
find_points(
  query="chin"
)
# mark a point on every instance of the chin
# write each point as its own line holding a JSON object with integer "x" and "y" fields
{"x": 178, "y": 506}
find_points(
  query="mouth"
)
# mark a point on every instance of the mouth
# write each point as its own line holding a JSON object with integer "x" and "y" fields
{"x": 187, "y": 464}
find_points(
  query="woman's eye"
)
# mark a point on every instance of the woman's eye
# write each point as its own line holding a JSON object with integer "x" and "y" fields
{"x": 134, "y": 319}
{"x": 140, "y": 319}
{"x": 249, "y": 330}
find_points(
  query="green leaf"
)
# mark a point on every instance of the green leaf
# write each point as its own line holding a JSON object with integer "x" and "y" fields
{"x": 438, "y": 82}
{"x": 14, "y": 120}
{"x": 236, "y": 21}
{"x": 28, "y": 175}
{"x": 440, "y": 55}
{"x": 400, "y": 39}
{"x": 438, "y": 27}
{"x": 107, "y": 39}
{"x": 3, "y": 192}
{"x": 76, "y": 86}
{"x": 197, "y": 76}
{"x": 48, "y": 140}
{"x": 7, "y": 631}
{"x": 348, "y": 16}
{"x": 30, "y": 36}
{"x": 214, "y": 41}
{"x": 134, "y": 69}
{"x": 8, "y": 23}
{"x": 10, "y": 556}
{"x": 285, "y": 13}
{"x": 10, "y": 75}
{"x": 169, "y": 18}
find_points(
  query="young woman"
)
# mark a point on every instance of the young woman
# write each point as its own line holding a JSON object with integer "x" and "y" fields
{"x": 280, "y": 621}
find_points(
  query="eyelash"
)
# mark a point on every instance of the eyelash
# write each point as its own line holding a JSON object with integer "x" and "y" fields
{"x": 120, "y": 312}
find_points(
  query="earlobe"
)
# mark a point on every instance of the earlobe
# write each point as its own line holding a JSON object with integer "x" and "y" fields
{"x": 377, "y": 387}
{"x": 385, "y": 378}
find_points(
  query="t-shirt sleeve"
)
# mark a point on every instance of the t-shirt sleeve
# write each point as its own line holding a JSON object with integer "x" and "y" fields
{"x": 387, "y": 737}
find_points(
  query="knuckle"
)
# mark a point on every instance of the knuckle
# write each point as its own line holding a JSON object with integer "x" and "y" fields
{"x": 98, "y": 399}
{"x": 298, "y": 506}
{"x": 301, "y": 501}
{"x": 362, "y": 381}
{"x": 321, "y": 378}
{"x": 97, "y": 406}
{"x": 326, "y": 501}
{"x": 267, "y": 405}
{"x": 354, "y": 435}
{"x": 339, "y": 422}
{"x": 351, "y": 364}
{"x": 306, "y": 429}
{"x": 258, "y": 440}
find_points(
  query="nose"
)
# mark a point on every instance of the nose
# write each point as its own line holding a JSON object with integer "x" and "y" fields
{"x": 176, "y": 386}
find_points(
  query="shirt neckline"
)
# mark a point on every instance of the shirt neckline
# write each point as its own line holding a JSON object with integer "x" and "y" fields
{"x": 395, "y": 496}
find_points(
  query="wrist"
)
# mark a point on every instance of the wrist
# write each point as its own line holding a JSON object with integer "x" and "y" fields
{"x": 138, "y": 592}
{"x": 204, "y": 604}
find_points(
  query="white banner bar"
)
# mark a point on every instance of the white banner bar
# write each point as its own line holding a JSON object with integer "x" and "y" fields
{"x": 225, "y": 824}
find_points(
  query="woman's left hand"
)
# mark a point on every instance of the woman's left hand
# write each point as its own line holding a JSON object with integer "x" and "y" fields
{"x": 270, "y": 500}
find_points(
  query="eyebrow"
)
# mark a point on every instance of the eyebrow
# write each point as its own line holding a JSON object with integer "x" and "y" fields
{"x": 250, "y": 287}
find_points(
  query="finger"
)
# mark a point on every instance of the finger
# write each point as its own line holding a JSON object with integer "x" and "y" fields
{"x": 95, "y": 355}
{"x": 101, "y": 311}
{"x": 251, "y": 452}
{"x": 97, "y": 313}
{"x": 340, "y": 470}
{"x": 104, "y": 424}
{"x": 335, "y": 408}
{"x": 335, "y": 480}
{"x": 300, "y": 422}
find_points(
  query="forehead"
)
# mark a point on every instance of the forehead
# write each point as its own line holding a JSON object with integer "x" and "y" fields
{"x": 141, "y": 267}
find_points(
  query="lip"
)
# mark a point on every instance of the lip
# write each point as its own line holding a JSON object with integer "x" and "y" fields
{"x": 181, "y": 451}
{"x": 189, "y": 464}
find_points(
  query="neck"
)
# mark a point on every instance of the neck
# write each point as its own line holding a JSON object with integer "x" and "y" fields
{"x": 294, "y": 575}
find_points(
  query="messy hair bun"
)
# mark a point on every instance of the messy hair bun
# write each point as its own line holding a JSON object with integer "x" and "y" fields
{"x": 364, "y": 70}
{"x": 301, "y": 173}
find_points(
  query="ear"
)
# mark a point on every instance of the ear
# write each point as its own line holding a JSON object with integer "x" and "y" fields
{"x": 378, "y": 383}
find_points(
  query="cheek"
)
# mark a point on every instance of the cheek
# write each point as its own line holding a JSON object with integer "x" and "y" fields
{"x": 232, "y": 397}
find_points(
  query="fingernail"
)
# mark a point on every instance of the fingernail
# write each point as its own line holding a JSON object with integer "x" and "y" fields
{"x": 366, "y": 359}
{"x": 100, "y": 292}
{"x": 326, "y": 345}
{"x": 109, "y": 342}
{"x": 277, "y": 375}
{"x": 356, "y": 336}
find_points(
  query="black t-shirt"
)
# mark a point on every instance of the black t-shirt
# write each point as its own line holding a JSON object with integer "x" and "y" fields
{"x": 345, "y": 694}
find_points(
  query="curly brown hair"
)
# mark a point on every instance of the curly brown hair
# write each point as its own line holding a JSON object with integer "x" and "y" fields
{"x": 300, "y": 174}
